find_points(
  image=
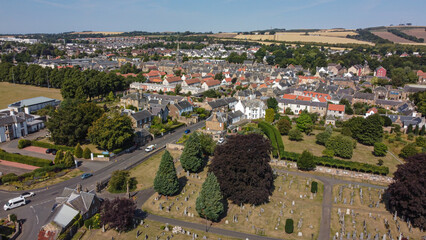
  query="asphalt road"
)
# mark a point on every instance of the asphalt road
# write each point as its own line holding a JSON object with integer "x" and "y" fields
{"x": 36, "y": 213}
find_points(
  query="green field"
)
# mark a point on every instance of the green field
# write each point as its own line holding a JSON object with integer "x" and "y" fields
{"x": 362, "y": 153}
{"x": 10, "y": 93}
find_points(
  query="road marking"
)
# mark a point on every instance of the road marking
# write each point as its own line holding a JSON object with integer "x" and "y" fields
{"x": 35, "y": 213}
{"x": 43, "y": 202}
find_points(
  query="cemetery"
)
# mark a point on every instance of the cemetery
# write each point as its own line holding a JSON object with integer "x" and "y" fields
{"x": 359, "y": 213}
{"x": 149, "y": 229}
{"x": 292, "y": 199}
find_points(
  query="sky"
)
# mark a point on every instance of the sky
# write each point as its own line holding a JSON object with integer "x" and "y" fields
{"x": 55, "y": 16}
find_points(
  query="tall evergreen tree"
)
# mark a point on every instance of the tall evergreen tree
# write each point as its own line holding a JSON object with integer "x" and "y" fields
{"x": 192, "y": 157}
{"x": 409, "y": 129}
{"x": 209, "y": 203}
{"x": 372, "y": 130}
{"x": 416, "y": 130}
{"x": 166, "y": 181}
{"x": 68, "y": 159}
{"x": 59, "y": 157}
{"x": 78, "y": 151}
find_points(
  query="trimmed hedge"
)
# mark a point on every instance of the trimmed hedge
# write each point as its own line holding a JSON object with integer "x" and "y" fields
{"x": 39, "y": 162}
{"x": 23, "y": 143}
{"x": 275, "y": 137}
{"x": 342, "y": 164}
{"x": 271, "y": 135}
{"x": 289, "y": 226}
{"x": 314, "y": 187}
{"x": 39, "y": 172}
{"x": 48, "y": 145}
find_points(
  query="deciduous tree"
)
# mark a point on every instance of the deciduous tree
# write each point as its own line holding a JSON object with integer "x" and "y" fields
{"x": 242, "y": 168}
{"x": 380, "y": 149}
{"x": 306, "y": 161}
{"x": 406, "y": 194}
{"x": 118, "y": 213}
{"x": 284, "y": 126}
{"x": 304, "y": 123}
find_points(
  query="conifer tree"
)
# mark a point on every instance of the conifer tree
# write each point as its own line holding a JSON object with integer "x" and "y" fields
{"x": 209, "y": 204}
{"x": 78, "y": 151}
{"x": 409, "y": 129}
{"x": 68, "y": 159}
{"x": 59, "y": 157}
{"x": 166, "y": 181}
{"x": 416, "y": 130}
{"x": 192, "y": 158}
{"x": 86, "y": 153}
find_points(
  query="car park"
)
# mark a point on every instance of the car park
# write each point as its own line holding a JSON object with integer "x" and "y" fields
{"x": 149, "y": 148}
{"x": 86, "y": 175}
{"x": 27, "y": 194}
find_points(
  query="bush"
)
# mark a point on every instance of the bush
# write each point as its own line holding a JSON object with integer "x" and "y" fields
{"x": 284, "y": 126}
{"x": 321, "y": 138}
{"x": 48, "y": 145}
{"x": 341, "y": 145}
{"x": 93, "y": 222}
{"x": 328, "y": 153}
{"x": 86, "y": 153}
{"x": 10, "y": 177}
{"x": 306, "y": 161}
{"x": 289, "y": 226}
{"x": 409, "y": 150}
{"x": 380, "y": 149}
{"x": 295, "y": 135}
{"x": 314, "y": 187}
{"x": 23, "y": 143}
{"x": 78, "y": 151}
{"x": 25, "y": 159}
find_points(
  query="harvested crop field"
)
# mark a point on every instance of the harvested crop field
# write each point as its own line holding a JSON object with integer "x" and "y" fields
{"x": 317, "y": 37}
{"x": 104, "y": 33}
{"x": 418, "y": 32}
{"x": 391, "y": 37}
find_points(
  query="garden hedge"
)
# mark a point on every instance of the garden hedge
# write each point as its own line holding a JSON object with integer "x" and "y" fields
{"x": 48, "y": 145}
{"x": 13, "y": 157}
{"x": 342, "y": 164}
{"x": 275, "y": 137}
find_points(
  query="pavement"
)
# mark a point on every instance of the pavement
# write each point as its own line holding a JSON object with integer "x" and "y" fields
{"x": 39, "y": 209}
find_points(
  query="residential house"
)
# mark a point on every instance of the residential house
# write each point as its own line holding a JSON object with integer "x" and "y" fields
{"x": 141, "y": 119}
{"x": 193, "y": 82}
{"x": 367, "y": 98}
{"x": 298, "y": 106}
{"x": 211, "y": 84}
{"x": 172, "y": 80}
{"x": 252, "y": 109}
{"x": 336, "y": 110}
{"x": 135, "y": 99}
{"x": 70, "y": 203}
{"x": 371, "y": 111}
{"x": 422, "y": 77}
{"x": 216, "y": 122}
{"x": 380, "y": 72}
{"x": 33, "y": 104}
{"x": 388, "y": 104}
{"x": 179, "y": 108}
{"x": 12, "y": 127}
{"x": 159, "y": 110}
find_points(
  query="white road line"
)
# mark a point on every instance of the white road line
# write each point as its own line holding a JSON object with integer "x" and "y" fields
{"x": 34, "y": 213}
{"x": 43, "y": 202}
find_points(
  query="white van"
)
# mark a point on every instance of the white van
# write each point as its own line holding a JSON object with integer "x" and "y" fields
{"x": 14, "y": 203}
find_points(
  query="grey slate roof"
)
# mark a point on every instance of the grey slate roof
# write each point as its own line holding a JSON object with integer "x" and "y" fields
{"x": 366, "y": 96}
{"x": 141, "y": 115}
{"x": 32, "y": 101}
{"x": 183, "y": 105}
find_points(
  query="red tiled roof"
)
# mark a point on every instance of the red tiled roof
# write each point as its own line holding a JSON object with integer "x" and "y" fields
{"x": 228, "y": 79}
{"x": 192, "y": 81}
{"x": 336, "y": 107}
{"x": 212, "y": 82}
{"x": 173, "y": 79}
{"x": 127, "y": 75}
{"x": 374, "y": 110}
{"x": 155, "y": 80}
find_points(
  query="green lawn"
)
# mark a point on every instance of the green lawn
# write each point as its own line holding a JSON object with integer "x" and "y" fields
{"x": 10, "y": 93}
{"x": 362, "y": 153}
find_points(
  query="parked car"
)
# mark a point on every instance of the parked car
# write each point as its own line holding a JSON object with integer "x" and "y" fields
{"x": 54, "y": 151}
{"x": 27, "y": 194}
{"x": 49, "y": 150}
{"x": 149, "y": 148}
{"x": 14, "y": 203}
{"x": 221, "y": 140}
{"x": 86, "y": 175}
{"x": 187, "y": 131}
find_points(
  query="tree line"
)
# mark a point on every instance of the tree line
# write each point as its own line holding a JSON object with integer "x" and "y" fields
{"x": 73, "y": 82}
